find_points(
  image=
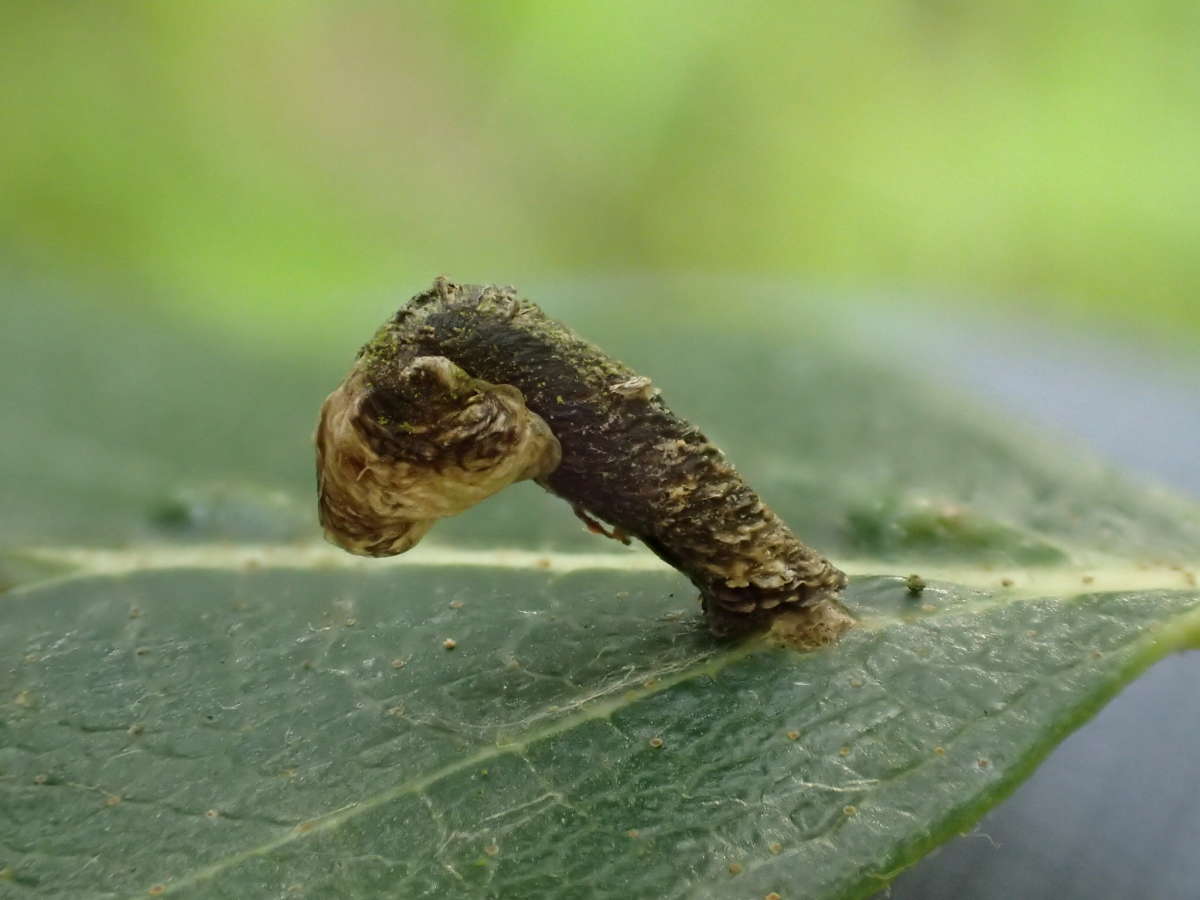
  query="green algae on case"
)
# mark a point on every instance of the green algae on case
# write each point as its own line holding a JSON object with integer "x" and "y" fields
{"x": 469, "y": 388}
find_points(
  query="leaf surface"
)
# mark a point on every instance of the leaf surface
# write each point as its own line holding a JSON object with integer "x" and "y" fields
{"x": 202, "y": 701}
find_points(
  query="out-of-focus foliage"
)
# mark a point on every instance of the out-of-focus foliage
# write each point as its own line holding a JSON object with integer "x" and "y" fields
{"x": 242, "y": 159}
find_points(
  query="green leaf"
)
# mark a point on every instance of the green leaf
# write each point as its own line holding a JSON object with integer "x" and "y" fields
{"x": 198, "y": 698}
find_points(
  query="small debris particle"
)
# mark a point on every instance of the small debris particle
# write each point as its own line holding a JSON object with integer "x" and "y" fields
{"x": 773, "y": 896}
{"x": 306, "y": 826}
{"x": 1087, "y": 579}
{"x": 155, "y": 889}
{"x": 142, "y": 651}
{"x": 775, "y": 848}
{"x": 656, "y": 743}
{"x": 915, "y": 583}
{"x": 793, "y": 735}
{"x": 25, "y": 699}
{"x": 395, "y": 711}
{"x": 1096, "y": 654}
{"x": 983, "y": 763}
{"x": 850, "y": 810}
{"x": 40, "y": 779}
{"x": 135, "y": 612}
{"x": 399, "y": 663}
{"x": 137, "y": 729}
{"x": 449, "y": 643}
{"x": 543, "y": 563}
{"x": 456, "y": 604}
{"x": 112, "y": 800}
{"x": 1006, "y": 582}
{"x": 735, "y": 868}
{"x": 491, "y": 849}
{"x": 634, "y": 833}
{"x": 928, "y": 607}
{"x": 856, "y": 682}
{"x": 844, "y": 751}
{"x": 940, "y": 751}
{"x": 212, "y": 814}
{"x": 1031, "y": 634}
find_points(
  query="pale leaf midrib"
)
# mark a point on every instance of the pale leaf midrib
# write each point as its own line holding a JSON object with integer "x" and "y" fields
{"x": 1101, "y": 576}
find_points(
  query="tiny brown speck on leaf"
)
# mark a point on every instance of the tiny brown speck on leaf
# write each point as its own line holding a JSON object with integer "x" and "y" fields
{"x": 156, "y": 889}
{"x": 940, "y": 751}
{"x": 656, "y": 742}
{"x": 25, "y": 699}
{"x": 136, "y": 729}
{"x": 844, "y": 751}
{"x": 856, "y": 682}
{"x": 634, "y": 833}
{"x": 735, "y": 868}
{"x": 983, "y": 763}
{"x": 773, "y": 896}
{"x": 928, "y": 607}
{"x": 112, "y": 800}
{"x": 212, "y": 814}
{"x": 1006, "y": 582}
{"x": 775, "y": 848}
{"x": 793, "y": 735}
{"x": 543, "y": 563}
{"x": 40, "y": 779}
{"x": 449, "y": 643}
{"x": 351, "y": 622}
{"x": 850, "y": 810}
{"x": 1087, "y": 579}
{"x": 491, "y": 849}
{"x": 399, "y": 663}
{"x": 142, "y": 651}
{"x": 456, "y": 604}
{"x": 135, "y": 612}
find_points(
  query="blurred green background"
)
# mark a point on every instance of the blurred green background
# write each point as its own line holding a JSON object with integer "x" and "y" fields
{"x": 271, "y": 165}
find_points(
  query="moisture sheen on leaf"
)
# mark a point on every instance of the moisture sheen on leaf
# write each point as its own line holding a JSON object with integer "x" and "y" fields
{"x": 197, "y": 700}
